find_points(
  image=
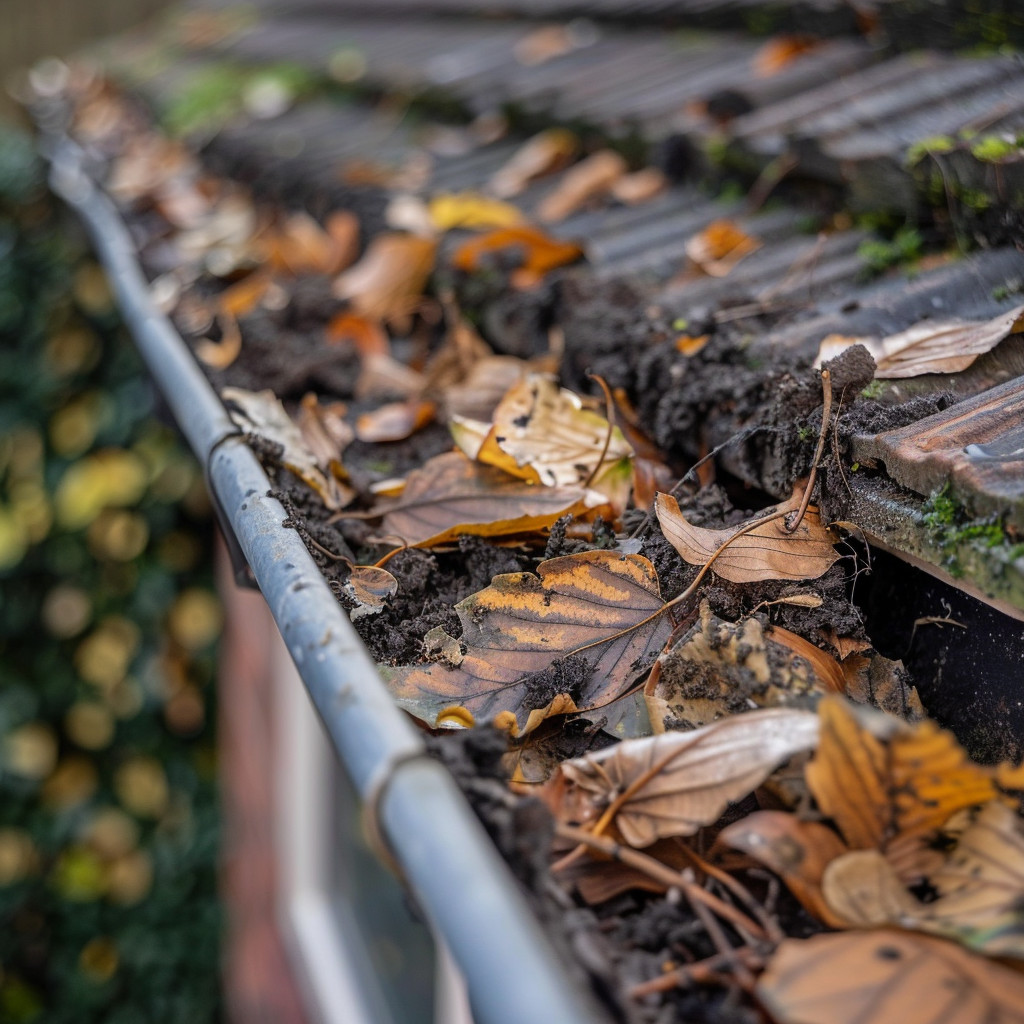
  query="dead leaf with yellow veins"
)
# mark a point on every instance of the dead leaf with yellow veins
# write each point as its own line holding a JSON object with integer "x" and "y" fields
{"x": 451, "y": 495}
{"x": 387, "y": 283}
{"x": 370, "y": 588}
{"x": 540, "y": 254}
{"x": 882, "y": 780}
{"x": 677, "y": 782}
{"x": 797, "y": 851}
{"x": 930, "y": 346}
{"x": 542, "y": 433}
{"x": 887, "y": 975}
{"x": 766, "y": 552}
{"x": 260, "y": 412}
{"x": 719, "y": 247}
{"x": 473, "y": 211}
{"x": 395, "y": 421}
{"x": 544, "y": 154}
{"x": 590, "y": 179}
{"x": 599, "y": 606}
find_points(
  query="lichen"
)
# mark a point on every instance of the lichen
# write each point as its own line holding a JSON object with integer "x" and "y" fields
{"x": 995, "y": 148}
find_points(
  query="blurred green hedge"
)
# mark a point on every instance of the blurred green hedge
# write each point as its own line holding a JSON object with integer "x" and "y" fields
{"x": 108, "y": 621}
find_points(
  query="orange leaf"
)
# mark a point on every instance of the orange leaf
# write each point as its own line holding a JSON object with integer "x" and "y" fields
{"x": 369, "y": 587}
{"x": 244, "y": 296}
{"x": 395, "y": 421}
{"x": 719, "y": 247}
{"x": 368, "y": 337}
{"x": 540, "y": 253}
{"x": 777, "y": 53}
{"x": 219, "y": 355}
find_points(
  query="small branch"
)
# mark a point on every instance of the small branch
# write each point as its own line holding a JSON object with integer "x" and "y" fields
{"x": 826, "y": 410}
{"x": 702, "y": 971}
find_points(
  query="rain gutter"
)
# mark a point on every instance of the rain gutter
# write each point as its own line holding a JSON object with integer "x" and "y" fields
{"x": 448, "y": 861}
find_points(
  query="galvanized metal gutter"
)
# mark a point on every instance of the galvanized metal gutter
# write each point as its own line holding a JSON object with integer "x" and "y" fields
{"x": 449, "y": 863}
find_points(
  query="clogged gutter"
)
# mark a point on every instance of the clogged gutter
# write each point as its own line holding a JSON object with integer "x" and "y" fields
{"x": 659, "y": 675}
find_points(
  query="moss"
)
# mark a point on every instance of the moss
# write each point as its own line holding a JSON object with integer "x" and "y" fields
{"x": 926, "y": 147}
{"x": 993, "y": 148}
{"x": 953, "y": 530}
{"x": 879, "y": 254}
{"x": 874, "y": 389}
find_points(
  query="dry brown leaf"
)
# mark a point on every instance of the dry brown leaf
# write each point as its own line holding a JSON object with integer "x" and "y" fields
{"x": 540, "y": 253}
{"x": 544, "y": 154}
{"x": 930, "y": 346}
{"x": 219, "y": 355}
{"x": 640, "y": 187}
{"x": 676, "y": 783}
{"x": 326, "y": 432}
{"x": 767, "y": 552}
{"x": 472, "y": 210}
{"x": 797, "y": 851}
{"x": 600, "y": 880}
{"x": 542, "y": 433}
{"x": 883, "y": 684}
{"x": 824, "y": 667}
{"x": 244, "y": 296}
{"x": 260, "y": 412}
{"x": 387, "y": 283}
{"x": 883, "y": 975}
{"x": 689, "y": 345}
{"x": 880, "y": 779}
{"x": 483, "y": 387}
{"x": 382, "y": 377}
{"x": 544, "y": 44}
{"x": 451, "y": 495}
{"x": 781, "y": 51}
{"x": 719, "y": 247}
{"x": 721, "y": 668}
{"x": 590, "y": 179}
{"x": 370, "y": 587}
{"x": 297, "y": 244}
{"x": 980, "y": 887}
{"x": 395, "y": 421}
{"x": 599, "y": 605}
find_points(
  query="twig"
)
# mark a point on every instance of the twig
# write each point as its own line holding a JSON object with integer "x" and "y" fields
{"x": 826, "y": 384}
{"x": 702, "y": 971}
{"x": 609, "y": 411}
{"x": 663, "y": 874}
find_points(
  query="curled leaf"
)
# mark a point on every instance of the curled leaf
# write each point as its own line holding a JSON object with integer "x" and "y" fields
{"x": 719, "y": 247}
{"x": 767, "y": 552}
{"x": 451, "y": 495}
{"x": 587, "y": 180}
{"x": 370, "y": 588}
{"x": 930, "y": 346}
{"x": 395, "y": 421}
{"x": 540, "y": 253}
{"x": 219, "y": 355}
{"x": 600, "y": 605}
{"x": 549, "y": 151}
{"x": 472, "y": 210}
{"x": 387, "y": 283}
{"x": 887, "y": 975}
{"x": 260, "y": 412}
{"x": 677, "y": 782}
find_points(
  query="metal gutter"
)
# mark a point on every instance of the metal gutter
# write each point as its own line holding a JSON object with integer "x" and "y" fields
{"x": 450, "y": 864}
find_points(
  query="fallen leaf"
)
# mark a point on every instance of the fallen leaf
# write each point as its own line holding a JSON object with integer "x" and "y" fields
{"x": 544, "y": 44}
{"x": 472, "y": 210}
{"x": 930, "y": 346}
{"x": 367, "y": 336}
{"x": 766, "y": 552}
{"x": 676, "y": 783}
{"x": 382, "y": 377}
{"x": 244, "y": 296}
{"x": 980, "y": 887}
{"x": 325, "y": 431}
{"x": 717, "y": 249}
{"x": 542, "y": 433}
{"x": 598, "y": 605}
{"x": 544, "y": 154}
{"x": 451, "y": 495}
{"x": 590, "y": 179}
{"x": 797, "y": 851}
{"x": 598, "y": 881}
{"x": 639, "y": 187}
{"x": 219, "y": 355}
{"x": 395, "y": 421}
{"x": 688, "y": 345}
{"x": 823, "y": 666}
{"x": 886, "y": 975}
{"x": 260, "y": 412}
{"x": 370, "y": 587}
{"x": 387, "y": 283}
{"x": 299, "y": 245}
{"x": 781, "y": 51}
{"x": 721, "y": 668}
{"x": 483, "y": 387}
{"x": 539, "y": 253}
{"x": 880, "y": 779}
{"x": 874, "y": 680}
